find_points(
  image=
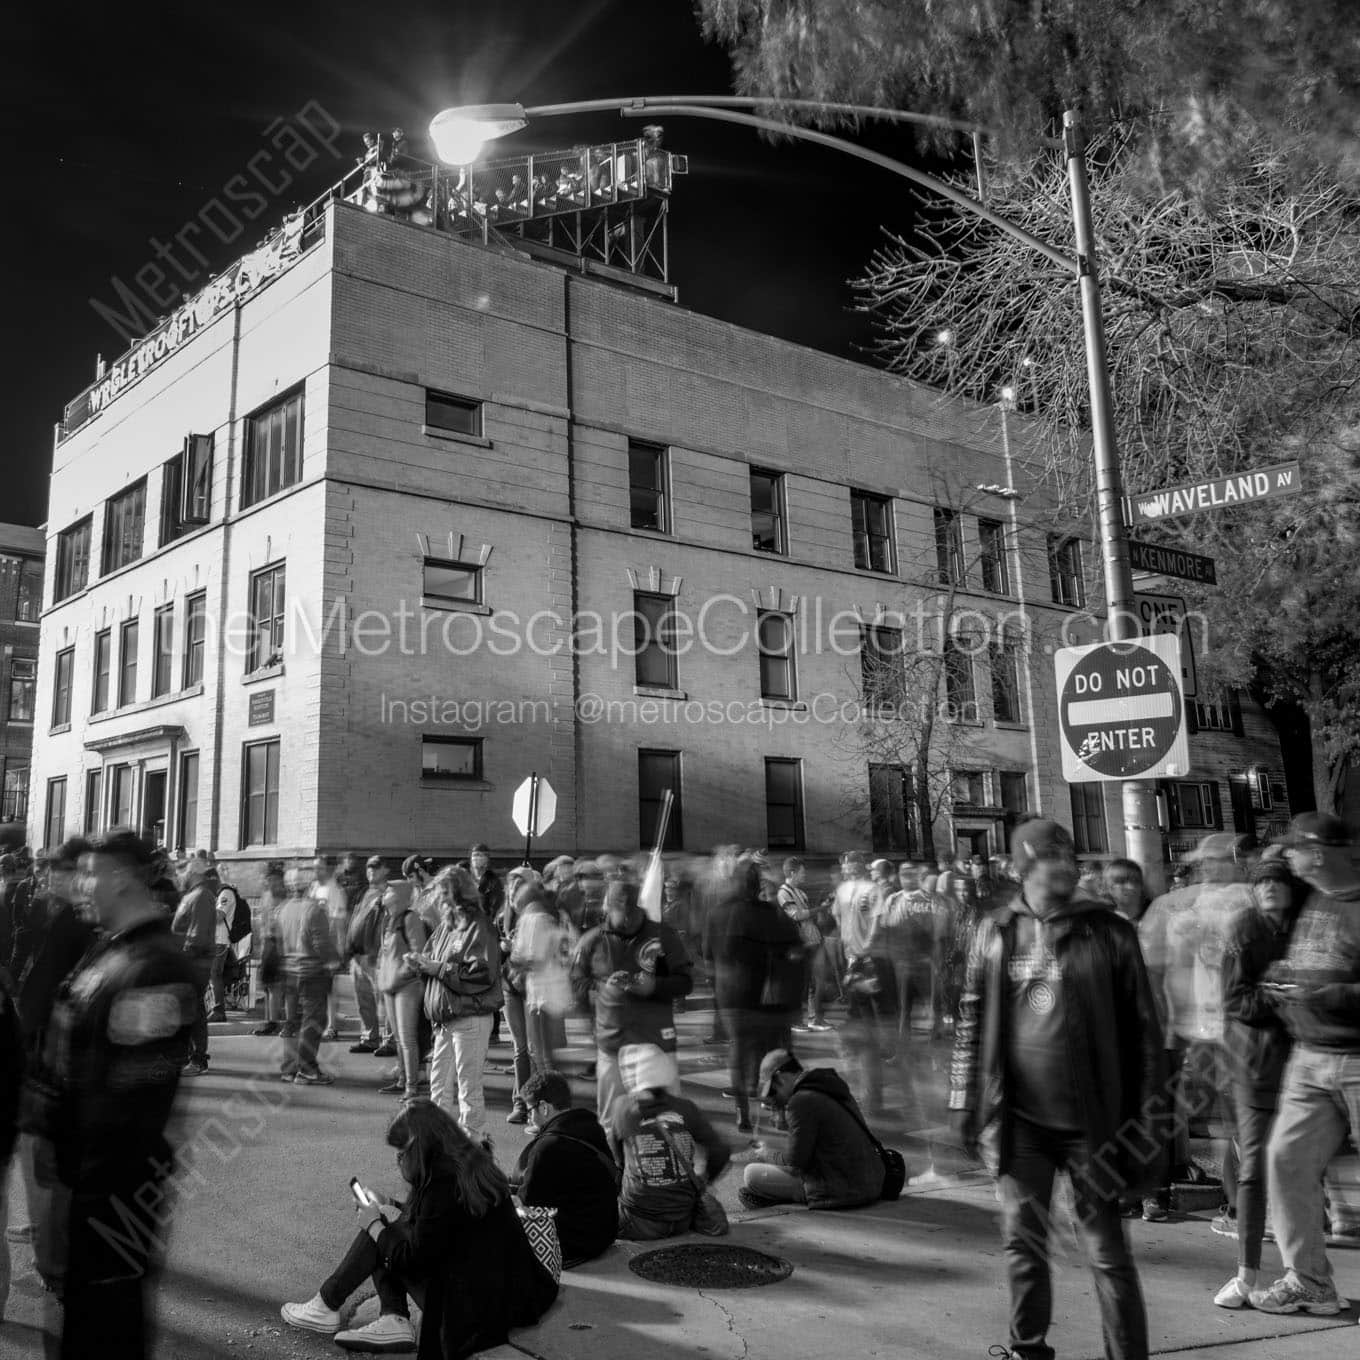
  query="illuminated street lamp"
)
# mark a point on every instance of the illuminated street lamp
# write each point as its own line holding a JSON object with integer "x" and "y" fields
{"x": 460, "y": 133}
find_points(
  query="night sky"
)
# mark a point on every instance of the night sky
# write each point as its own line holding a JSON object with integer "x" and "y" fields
{"x": 124, "y": 121}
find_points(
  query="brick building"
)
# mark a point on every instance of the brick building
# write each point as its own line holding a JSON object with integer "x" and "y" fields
{"x": 345, "y": 557}
{"x": 21, "y": 575}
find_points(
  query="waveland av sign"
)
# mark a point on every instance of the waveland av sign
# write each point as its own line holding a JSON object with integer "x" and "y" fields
{"x": 1216, "y": 494}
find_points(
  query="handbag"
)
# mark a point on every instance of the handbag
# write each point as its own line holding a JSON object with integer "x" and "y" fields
{"x": 395, "y": 973}
{"x": 540, "y": 1227}
{"x": 708, "y": 1201}
{"x": 894, "y": 1164}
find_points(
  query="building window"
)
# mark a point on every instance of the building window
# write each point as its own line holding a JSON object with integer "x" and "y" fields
{"x": 162, "y": 645}
{"x": 450, "y": 758}
{"x": 891, "y": 812}
{"x": 451, "y": 582}
{"x": 54, "y": 825}
{"x": 186, "y": 819}
{"x": 784, "y": 804}
{"x": 1195, "y": 806}
{"x": 871, "y": 521}
{"x": 1014, "y": 794}
{"x": 774, "y": 633}
{"x": 1088, "y": 818}
{"x": 260, "y": 794}
{"x": 958, "y": 682}
{"x": 767, "y": 512}
{"x": 195, "y": 632}
{"x": 992, "y": 556}
{"x": 23, "y": 688}
{"x": 28, "y": 597}
{"x": 657, "y": 772}
{"x": 654, "y": 655}
{"x": 1064, "y": 571}
{"x": 953, "y": 569}
{"x": 1005, "y": 666}
{"x": 273, "y": 449}
{"x": 648, "y": 497}
{"x": 1261, "y": 783}
{"x": 120, "y": 796}
{"x": 14, "y": 799}
{"x": 103, "y": 664}
{"x": 266, "y": 618}
{"x": 457, "y": 415}
{"x": 73, "y": 560}
{"x": 129, "y": 636}
{"x": 880, "y": 664}
{"x": 186, "y": 488}
{"x": 968, "y": 788}
{"x": 94, "y": 788}
{"x": 1213, "y": 717}
{"x": 61, "y": 687}
{"x": 124, "y": 527}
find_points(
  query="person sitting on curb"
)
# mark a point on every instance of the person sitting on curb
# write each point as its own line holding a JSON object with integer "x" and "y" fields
{"x": 568, "y": 1167}
{"x": 663, "y": 1191}
{"x": 830, "y": 1161}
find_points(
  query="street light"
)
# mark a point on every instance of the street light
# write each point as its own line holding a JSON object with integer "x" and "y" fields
{"x": 460, "y": 133}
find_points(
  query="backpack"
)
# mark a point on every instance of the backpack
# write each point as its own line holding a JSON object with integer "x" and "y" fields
{"x": 240, "y": 924}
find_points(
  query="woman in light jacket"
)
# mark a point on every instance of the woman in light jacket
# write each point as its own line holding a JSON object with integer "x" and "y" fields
{"x": 461, "y": 967}
{"x": 542, "y": 949}
{"x": 402, "y": 987}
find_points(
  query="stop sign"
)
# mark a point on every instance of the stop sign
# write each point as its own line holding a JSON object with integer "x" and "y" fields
{"x": 1121, "y": 710}
{"x": 534, "y": 820}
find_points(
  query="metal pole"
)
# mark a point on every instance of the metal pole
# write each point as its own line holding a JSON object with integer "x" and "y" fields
{"x": 532, "y": 820}
{"x": 1142, "y": 831}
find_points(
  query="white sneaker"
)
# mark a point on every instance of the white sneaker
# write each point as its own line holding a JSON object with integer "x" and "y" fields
{"x": 312, "y": 1316}
{"x": 388, "y": 1333}
{"x": 1234, "y": 1294}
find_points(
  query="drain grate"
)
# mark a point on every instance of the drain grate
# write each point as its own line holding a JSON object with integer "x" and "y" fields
{"x": 711, "y": 1267}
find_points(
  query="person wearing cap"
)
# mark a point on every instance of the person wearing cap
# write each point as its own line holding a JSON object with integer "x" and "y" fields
{"x": 829, "y": 1161}
{"x": 1315, "y": 988}
{"x": 634, "y": 969}
{"x": 196, "y": 921}
{"x": 671, "y": 1153}
{"x": 1258, "y": 1045}
{"x": 364, "y": 946}
{"x": 489, "y": 882}
{"x": 1183, "y": 934}
{"x": 420, "y": 871}
{"x": 1058, "y": 1067}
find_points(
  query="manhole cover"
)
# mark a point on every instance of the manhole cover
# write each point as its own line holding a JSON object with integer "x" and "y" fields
{"x": 711, "y": 1267}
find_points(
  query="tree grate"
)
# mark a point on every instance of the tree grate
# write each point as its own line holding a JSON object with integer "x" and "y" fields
{"x": 698, "y": 1267}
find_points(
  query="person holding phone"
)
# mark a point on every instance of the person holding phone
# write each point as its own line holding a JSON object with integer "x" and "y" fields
{"x": 455, "y": 1245}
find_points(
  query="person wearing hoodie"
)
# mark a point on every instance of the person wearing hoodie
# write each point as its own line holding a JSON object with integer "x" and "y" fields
{"x": 1058, "y": 1066}
{"x": 540, "y": 953}
{"x": 829, "y": 1161}
{"x": 671, "y": 1153}
{"x": 568, "y": 1166}
{"x": 635, "y": 969}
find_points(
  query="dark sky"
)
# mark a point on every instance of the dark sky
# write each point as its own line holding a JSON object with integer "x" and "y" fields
{"x": 124, "y": 121}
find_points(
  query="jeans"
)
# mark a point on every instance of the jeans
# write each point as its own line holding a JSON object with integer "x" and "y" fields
{"x": 362, "y": 1263}
{"x": 1037, "y": 1155}
{"x": 48, "y": 1211}
{"x": 304, "y": 1008}
{"x": 913, "y": 985}
{"x": 202, "y": 960}
{"x": 366, "y": 998}
{"x": 541, "y": 1028}
{"x": 1319, "y": 1098}
{"x": 774, "y": 1183}
{"x": 753, "y": 1036}
{"x": 636, "y": 1227}
{"x": 403, "y": 1010}
{"x": 519, "y": 1036}
{"x": 219, "y": 964}
{"x": 456, "y": 1070}
{"x": 1247, "y": 1185}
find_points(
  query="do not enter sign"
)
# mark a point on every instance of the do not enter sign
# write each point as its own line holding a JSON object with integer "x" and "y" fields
{"x": 1121, "y": 710}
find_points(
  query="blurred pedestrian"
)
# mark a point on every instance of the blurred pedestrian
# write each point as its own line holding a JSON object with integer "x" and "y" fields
{"x": 793, "y": 898}
{"x": 330, "y": 893}
{"x": 12, "y": 1062}
{"x": 265, "y": 918}
{"x": 541, "y": 953}
{"x": 308, "y": 958}
{"x": 401, "y": 986}
{"x": 195, "y": 921}
{"x": 364, "y": 945}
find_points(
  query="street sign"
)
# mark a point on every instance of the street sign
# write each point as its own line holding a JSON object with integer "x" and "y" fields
{"x": 534, "y": 815}
{"x": 1121, "y": 714}
{"x": 1165, "y": 614}
{"x": 1164, "y": 561}
{"x": 1215, "y": 493}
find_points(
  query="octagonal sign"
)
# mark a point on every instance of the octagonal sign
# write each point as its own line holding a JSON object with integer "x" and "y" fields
{"x": 1121, "y": 710}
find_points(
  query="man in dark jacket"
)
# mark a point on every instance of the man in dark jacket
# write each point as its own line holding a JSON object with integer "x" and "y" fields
{"x": 1057, "y": 1066}
{"x": 830, "y": 1162}
{"x": 568, "y": 1167}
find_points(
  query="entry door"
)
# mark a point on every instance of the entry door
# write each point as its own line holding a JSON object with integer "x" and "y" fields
{"x": 1243, "y": 814}
{"x": 971, "y": 841}
{"x": 153, "y": 806}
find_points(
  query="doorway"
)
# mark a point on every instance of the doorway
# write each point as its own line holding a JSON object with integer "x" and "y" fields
{"x": 153, "y": 807}
{"x": 1243, "y": 814}
{"x": 969, "y": 841}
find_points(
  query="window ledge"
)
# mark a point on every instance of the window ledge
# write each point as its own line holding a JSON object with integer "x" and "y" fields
{"x": 159, "y": 701}
{"x": 664, "y": 535}
{"x": 263, "y": 673}
{"x": 458, "y": 785}
{"x": 478, "y": 441}
{"x": 435, "y": 605}
{"x": 659, "y": 692}
{"x": 58, "y": 729}
{"x": 25, "y": 623}
{"x": 790, "y": 705}
{"x": 1011, "y": 726}
{"x": 20, "y": 722}
{"x": 874, "y": 571}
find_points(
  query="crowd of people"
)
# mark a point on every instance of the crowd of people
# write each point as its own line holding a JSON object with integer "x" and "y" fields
{"x": 1094, "y": 1031}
